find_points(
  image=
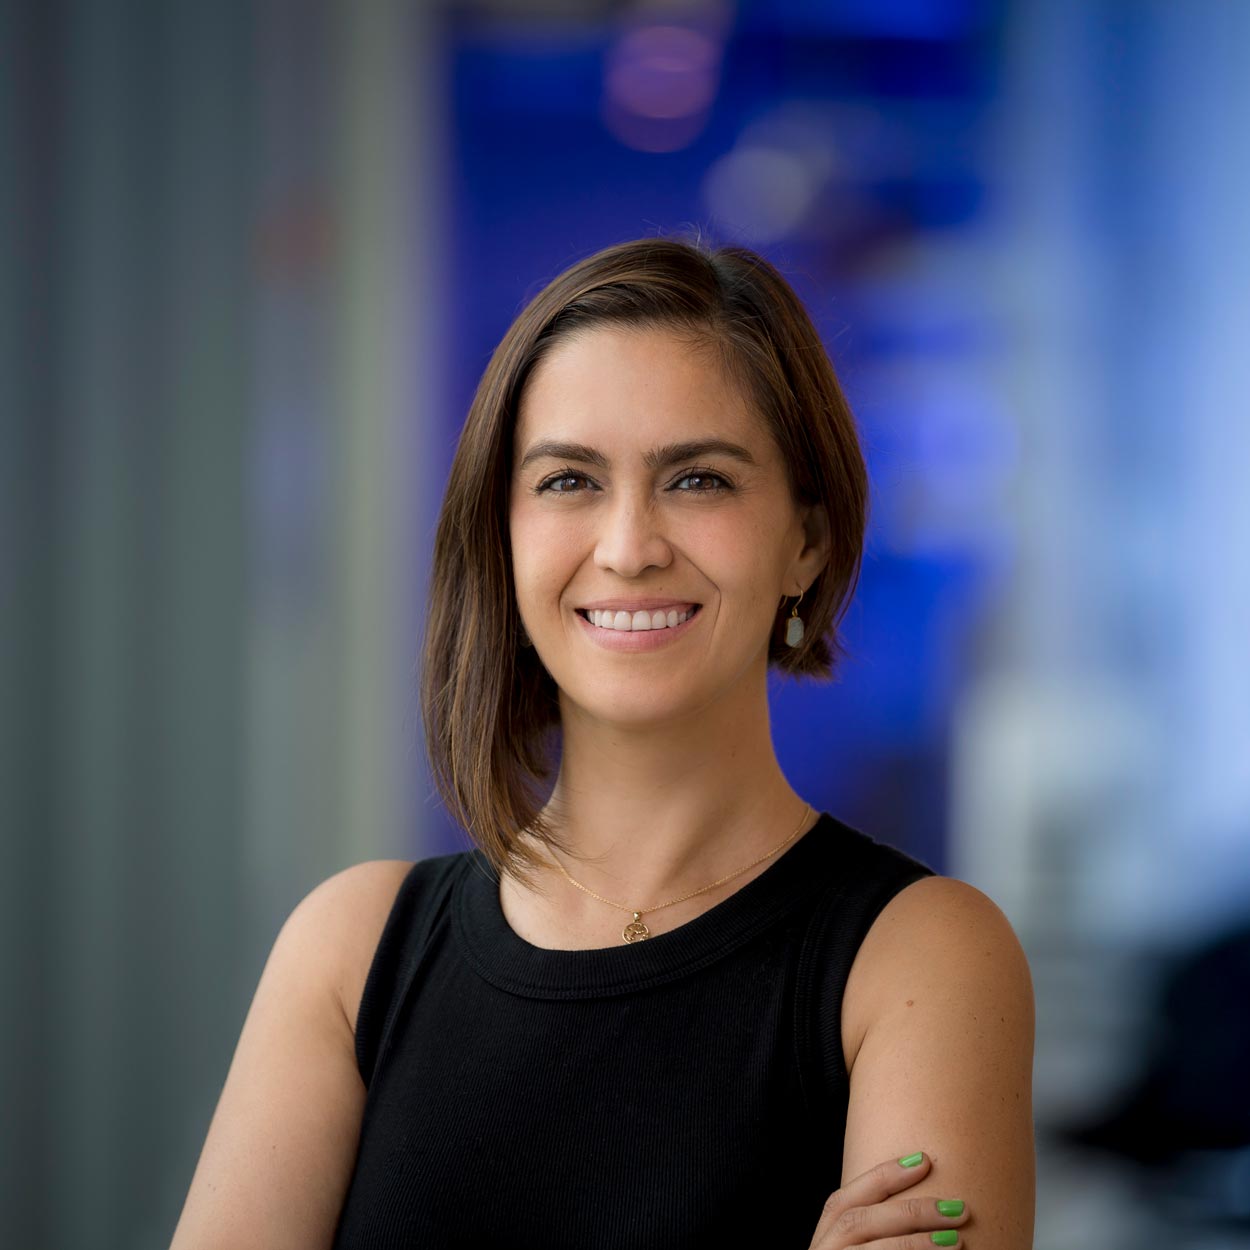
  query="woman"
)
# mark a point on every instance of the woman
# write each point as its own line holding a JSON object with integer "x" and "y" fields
{"x": 663, "y": 1002}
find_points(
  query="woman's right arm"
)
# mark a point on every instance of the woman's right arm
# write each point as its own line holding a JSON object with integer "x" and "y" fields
{"x": 282, "y": 1143}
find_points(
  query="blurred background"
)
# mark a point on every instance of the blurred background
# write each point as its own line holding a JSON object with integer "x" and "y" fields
{"x": 257, "y": 257}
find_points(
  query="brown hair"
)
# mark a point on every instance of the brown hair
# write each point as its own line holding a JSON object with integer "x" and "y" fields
{"x": 490, "y": 710}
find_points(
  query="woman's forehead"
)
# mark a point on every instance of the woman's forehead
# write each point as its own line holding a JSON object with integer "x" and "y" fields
{"x": 633, "y": 387}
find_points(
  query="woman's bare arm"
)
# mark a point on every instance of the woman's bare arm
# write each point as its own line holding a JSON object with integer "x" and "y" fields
{"x": 282, "y": 1142}
{"x": 938, "y": 1029}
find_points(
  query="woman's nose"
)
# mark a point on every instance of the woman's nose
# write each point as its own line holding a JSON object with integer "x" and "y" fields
{"x": 631, "y": 538}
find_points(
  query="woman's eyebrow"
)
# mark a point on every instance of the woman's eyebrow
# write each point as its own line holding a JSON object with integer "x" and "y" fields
{"x": 658, "y": 457}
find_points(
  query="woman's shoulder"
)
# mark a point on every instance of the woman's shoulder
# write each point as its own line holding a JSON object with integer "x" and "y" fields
{"x": 340, "y": 922}
{"x": 946, "y": 911}
{"x": 351, "y": 910}
{"x": 342, "y": 919}
{"x": 941, "y": 933}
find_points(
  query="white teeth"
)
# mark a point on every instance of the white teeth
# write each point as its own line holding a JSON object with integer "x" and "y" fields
{"x": 630, "y": 621}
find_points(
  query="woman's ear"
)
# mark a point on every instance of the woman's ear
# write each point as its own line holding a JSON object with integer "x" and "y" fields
{"x": 817, "y": 542}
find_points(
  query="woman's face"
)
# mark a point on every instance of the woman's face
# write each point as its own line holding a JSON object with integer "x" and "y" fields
{"x": 624, "y": 518}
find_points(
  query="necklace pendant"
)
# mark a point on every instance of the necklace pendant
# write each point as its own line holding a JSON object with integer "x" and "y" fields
{"x": 635, "y": 931}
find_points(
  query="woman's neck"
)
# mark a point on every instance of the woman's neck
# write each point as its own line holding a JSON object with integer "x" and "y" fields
{"x": 654, "y": 812}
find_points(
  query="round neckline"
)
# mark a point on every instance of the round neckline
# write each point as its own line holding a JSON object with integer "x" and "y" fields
{"x": 501, "y": 956}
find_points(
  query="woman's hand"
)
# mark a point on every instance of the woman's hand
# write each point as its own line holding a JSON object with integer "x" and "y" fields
{"x": 861, "y": 1215}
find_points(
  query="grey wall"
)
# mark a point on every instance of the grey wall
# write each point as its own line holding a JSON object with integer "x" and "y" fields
{"x": 209, "y": 484}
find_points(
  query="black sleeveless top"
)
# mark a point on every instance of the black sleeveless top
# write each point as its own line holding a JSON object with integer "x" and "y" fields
{"x": 686, "y": 1091}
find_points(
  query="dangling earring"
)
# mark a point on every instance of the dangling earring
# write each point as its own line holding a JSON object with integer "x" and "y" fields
{"x": 794, "y": 626}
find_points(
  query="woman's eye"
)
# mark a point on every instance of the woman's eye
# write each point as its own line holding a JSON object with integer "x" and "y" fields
{"x": 718, "y": 482}
{"x": 550, "y": 483}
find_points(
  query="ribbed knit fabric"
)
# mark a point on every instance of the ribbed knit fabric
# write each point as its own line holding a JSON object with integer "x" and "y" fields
{"x": 683, "y": 1092}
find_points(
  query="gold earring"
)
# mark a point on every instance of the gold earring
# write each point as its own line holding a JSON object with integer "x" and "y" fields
{"x": 794, "y": 626}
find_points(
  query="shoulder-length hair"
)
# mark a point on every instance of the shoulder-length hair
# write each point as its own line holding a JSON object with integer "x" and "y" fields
{"x": 489, "y": 708}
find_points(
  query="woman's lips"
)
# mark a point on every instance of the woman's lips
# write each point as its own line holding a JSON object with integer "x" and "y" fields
{"x": 638, "y": 639}
{"x": 668, "y": 614}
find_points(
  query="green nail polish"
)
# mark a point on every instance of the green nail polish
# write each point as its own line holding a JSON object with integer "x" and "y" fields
{"x": 950, "y": 1206}
{"x": 945, "y": 1237}
{"x": 910, "y": 1161}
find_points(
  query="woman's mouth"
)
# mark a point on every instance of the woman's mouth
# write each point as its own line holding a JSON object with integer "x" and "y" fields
{"x": 640, "y": 621}
{"x": 644, "y": 630}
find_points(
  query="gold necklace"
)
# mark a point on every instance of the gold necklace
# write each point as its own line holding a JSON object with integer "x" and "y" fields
{"x": 636, "y": 930}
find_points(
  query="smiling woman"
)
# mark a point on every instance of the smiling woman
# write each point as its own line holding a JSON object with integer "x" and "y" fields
{"x": 663, "y": 1002}
{"x": 654, "y": 382}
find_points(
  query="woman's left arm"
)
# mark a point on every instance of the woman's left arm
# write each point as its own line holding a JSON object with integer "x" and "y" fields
{"x": 938, "y": 1028}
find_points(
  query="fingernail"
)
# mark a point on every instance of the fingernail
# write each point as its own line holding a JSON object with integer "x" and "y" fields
{"x": 950, "y": 1206}
{"x": 910, "y": 1161}
{"x": 945, "y": 1237}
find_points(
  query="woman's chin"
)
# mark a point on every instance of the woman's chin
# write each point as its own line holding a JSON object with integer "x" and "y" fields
{"x": 627, "y": 705}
